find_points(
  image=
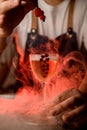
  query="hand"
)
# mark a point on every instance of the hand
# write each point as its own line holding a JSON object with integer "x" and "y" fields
{"x": 12, "y": 12}
{"x": 73, "y": 103}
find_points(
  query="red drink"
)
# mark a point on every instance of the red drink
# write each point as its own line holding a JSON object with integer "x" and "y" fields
{"x": 43, "y": 67}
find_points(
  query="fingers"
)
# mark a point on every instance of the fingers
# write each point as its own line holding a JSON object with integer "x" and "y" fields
{"x": 64, "y": 101}
{"x": 72, "y": 105}
{"x": 8, "y": 5}
{"x": 63, "y": 96}
{"x": 11, "y": 14}
{"x": 66, "y": 94}
{"x": 67, "y": 104}
{"x": 77, "y": 116}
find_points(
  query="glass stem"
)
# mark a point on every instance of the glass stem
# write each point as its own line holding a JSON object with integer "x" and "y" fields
{"x": 44, "y": 91}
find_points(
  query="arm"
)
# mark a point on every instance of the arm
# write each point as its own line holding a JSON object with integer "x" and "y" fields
{"x": 11, "y": 14}
{"x": 2, "y": 44}
{"x": 6, "y": 57}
